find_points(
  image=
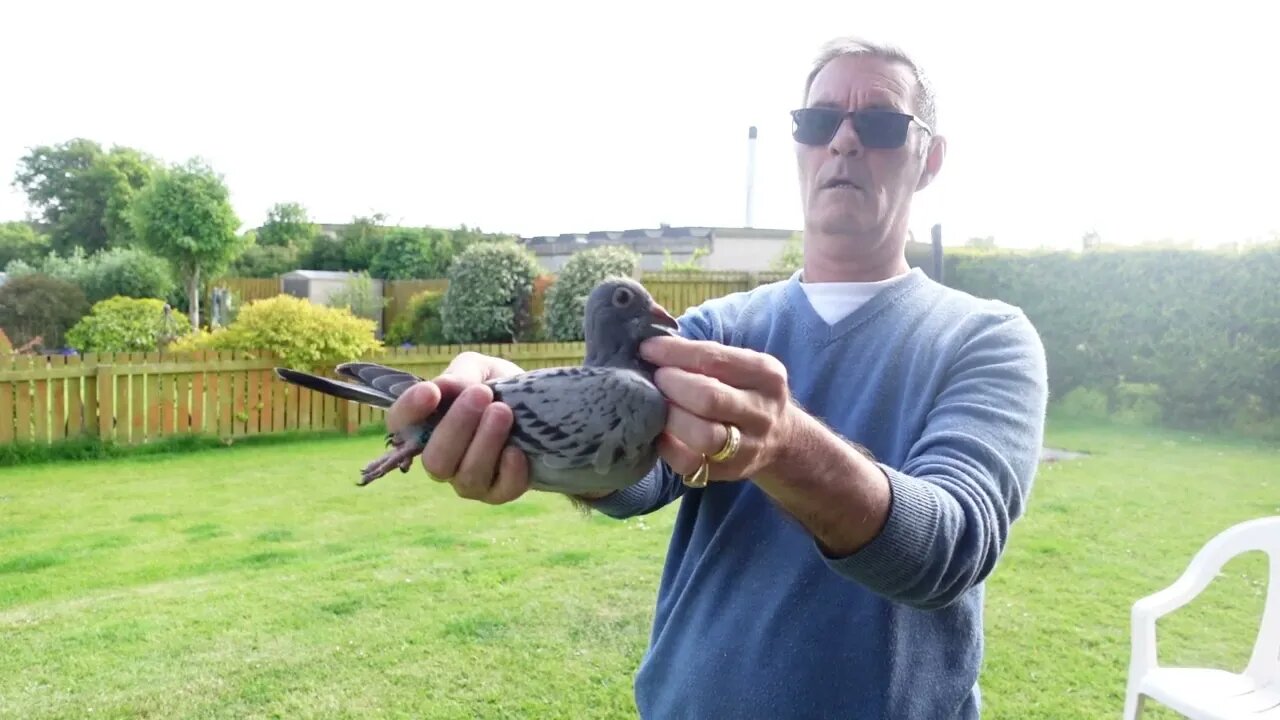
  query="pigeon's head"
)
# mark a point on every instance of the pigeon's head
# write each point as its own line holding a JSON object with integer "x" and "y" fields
{"x": 619, "y": 315}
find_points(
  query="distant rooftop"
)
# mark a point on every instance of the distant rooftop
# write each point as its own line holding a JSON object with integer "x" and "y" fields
{"x": 664, "y": 232}
{"x": 320, "y": 274}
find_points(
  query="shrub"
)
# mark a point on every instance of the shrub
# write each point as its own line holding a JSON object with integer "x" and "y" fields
{"x": 131, "y": 272}
{"x": 125, "y": 324}
{"x": 264, "y": 261}
{"x": 40, "y": 306}
{"x": 490, "y": 289}
{"x": 300, "y": 333}
{"x": 1188, "y": 337}
{"x": 567, "y": 296}
{"x": 420, "y": 323}
{"x": 359, "y": 296}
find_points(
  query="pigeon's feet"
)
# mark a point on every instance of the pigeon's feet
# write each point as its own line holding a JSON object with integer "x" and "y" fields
{"x": 400, "y": 457}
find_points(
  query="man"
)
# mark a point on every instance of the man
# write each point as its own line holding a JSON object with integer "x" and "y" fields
{"x": 887, "y": 431}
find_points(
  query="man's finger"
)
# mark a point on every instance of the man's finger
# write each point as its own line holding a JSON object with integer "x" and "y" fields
{"x": 513, "y": 477}
{"x": 696, "y": 433}
{"x": 479, "y": 464}
{"x": 678, "y": 455}
{"x": 465, "y": 370}
{"x": 413, "y": 405}
{"x": 705, "y": 396}
{"x": 452, "y": 436}
{"x": 739, "y": 367}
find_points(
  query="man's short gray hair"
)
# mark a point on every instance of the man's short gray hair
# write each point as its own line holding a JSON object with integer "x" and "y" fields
{"x": 925, "y": 102}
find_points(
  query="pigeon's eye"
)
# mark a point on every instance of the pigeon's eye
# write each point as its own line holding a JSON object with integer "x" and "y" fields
{"x": 622, "y": 297}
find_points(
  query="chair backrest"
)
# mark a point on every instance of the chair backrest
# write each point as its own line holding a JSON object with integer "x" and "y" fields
{"x": 1262, "y": 534}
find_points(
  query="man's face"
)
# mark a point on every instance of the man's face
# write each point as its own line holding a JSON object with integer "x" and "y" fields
{"x": 848, "y": 189}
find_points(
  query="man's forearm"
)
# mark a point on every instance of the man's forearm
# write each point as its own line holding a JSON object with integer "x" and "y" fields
{"x": 830, "y": 487}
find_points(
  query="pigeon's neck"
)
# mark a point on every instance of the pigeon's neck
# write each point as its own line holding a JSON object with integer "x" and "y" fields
{"x": 625, "y": 358}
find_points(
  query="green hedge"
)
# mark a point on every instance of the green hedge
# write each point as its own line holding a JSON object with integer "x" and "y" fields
{"x": 1186, "y": 338}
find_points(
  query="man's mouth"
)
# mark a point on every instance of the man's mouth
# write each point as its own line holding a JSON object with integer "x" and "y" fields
{"x": 840, "y": 184}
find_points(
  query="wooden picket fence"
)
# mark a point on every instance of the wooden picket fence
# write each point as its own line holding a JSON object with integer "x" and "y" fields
{"x": 679, "y": 291}
{"x": 138, "y": 398}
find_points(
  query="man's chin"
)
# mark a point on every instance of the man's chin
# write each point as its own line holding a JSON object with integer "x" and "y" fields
{"x": 841, "y": 225}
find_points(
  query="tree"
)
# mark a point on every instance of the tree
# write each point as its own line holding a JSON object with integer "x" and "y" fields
{"x": 412, "y": 253}
{"x": 83, "y": 192}
{"x": 20, "y": 241}
{"x": 288, "y": 226}
{"x": 792, "y": 256}
{"x": 185, "y": 216}
{"x": 361, "y": 240}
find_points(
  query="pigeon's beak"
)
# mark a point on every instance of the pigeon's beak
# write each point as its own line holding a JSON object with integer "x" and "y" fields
{"x": 663, "y": 323}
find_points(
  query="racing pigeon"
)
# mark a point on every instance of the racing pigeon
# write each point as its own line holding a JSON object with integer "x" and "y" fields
{"x": 584, "y": 428}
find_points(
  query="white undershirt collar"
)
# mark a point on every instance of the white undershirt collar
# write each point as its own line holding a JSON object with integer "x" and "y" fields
{"x": 834, "y": 301}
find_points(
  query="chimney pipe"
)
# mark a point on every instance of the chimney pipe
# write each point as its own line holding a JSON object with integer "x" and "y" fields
{"x": 751, "y": 173}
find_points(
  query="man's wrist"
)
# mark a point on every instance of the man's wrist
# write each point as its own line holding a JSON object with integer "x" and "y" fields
{"x": 830, "y": 485}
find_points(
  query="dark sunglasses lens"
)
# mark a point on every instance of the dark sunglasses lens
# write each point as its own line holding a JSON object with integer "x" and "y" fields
{"x": 881, "y": 130}
{"x": 876, "y": 128}
{"x": 816, "y": 126}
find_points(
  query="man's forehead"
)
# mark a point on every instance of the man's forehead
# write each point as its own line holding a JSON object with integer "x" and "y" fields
{"x": 866, "y": 80}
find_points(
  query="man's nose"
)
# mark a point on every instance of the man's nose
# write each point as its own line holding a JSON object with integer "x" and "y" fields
{"x": 845, "y": 141}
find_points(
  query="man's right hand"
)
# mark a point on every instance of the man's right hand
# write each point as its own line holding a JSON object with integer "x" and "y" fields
{"x": 467, "y": 448}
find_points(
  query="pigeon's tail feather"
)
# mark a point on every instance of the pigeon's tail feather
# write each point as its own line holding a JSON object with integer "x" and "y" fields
{"x": 368, "y": 395}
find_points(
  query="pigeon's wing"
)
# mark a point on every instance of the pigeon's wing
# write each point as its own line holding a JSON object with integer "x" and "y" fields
{"x": 374, "y": 384}
{"x": 388, "y": 380}
{"x": 582, "y": 417}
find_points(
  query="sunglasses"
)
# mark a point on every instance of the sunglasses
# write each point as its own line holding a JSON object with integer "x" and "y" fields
{"x": 879, "y": 129}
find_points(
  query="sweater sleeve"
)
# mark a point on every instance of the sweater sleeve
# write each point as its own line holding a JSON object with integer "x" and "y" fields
{"x": 968, "y": 475}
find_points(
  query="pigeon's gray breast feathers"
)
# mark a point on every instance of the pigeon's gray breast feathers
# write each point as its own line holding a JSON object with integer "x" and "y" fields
{"x": 582, "y": 417}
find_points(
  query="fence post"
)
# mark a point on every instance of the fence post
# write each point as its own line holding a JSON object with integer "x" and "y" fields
{"x": 347, "y": 415}
{"x": 106, "y": 401}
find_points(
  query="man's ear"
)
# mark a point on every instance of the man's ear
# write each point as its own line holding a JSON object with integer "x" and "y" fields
{"x": 932, "y": 161}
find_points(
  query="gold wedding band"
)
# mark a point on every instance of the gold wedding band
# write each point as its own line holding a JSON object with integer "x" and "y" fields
{"x": 731, "y": 444}
{"x": 699, "y": 479}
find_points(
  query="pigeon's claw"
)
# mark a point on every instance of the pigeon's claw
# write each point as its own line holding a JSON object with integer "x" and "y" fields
{"x": 401, "y": 456}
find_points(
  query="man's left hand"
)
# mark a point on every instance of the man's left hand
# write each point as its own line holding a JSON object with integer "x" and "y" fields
{"x": 710, "y": 384}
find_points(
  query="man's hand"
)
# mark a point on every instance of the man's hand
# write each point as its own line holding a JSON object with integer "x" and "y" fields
{"x": 710, "y": 384}
{"x": 822, "y": 480}
{"x": 467, "y": 448}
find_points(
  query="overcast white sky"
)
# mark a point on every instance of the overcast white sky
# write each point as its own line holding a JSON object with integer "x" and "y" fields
{"x": 1130, "y": 117}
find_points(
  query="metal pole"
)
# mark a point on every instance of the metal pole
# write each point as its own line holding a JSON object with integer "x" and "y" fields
{"x": 751, "y": 174}
{"x": 936, "y": 233}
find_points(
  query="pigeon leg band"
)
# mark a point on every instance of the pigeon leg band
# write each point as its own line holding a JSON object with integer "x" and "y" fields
{"x": 732, "y": 441}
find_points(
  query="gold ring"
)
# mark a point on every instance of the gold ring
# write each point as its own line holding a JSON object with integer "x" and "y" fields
{"x": 731, "y": 444}
{"x": 699, "y": 479}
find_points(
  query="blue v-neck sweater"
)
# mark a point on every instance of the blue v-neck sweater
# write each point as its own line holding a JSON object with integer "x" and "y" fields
{"x": 752, "y": 620}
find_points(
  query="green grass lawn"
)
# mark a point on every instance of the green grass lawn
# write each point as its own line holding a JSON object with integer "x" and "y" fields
{"x": 259, "y": 582}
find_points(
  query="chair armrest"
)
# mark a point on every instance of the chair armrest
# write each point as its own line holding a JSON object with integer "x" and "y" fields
{"x": 1203, "y": 568}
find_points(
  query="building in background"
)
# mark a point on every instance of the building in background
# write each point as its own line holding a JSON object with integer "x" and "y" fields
{"x": 709, "y": 248}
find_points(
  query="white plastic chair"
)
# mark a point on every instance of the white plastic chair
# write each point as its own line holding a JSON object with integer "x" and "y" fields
{"x": 1208, "y": 693}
